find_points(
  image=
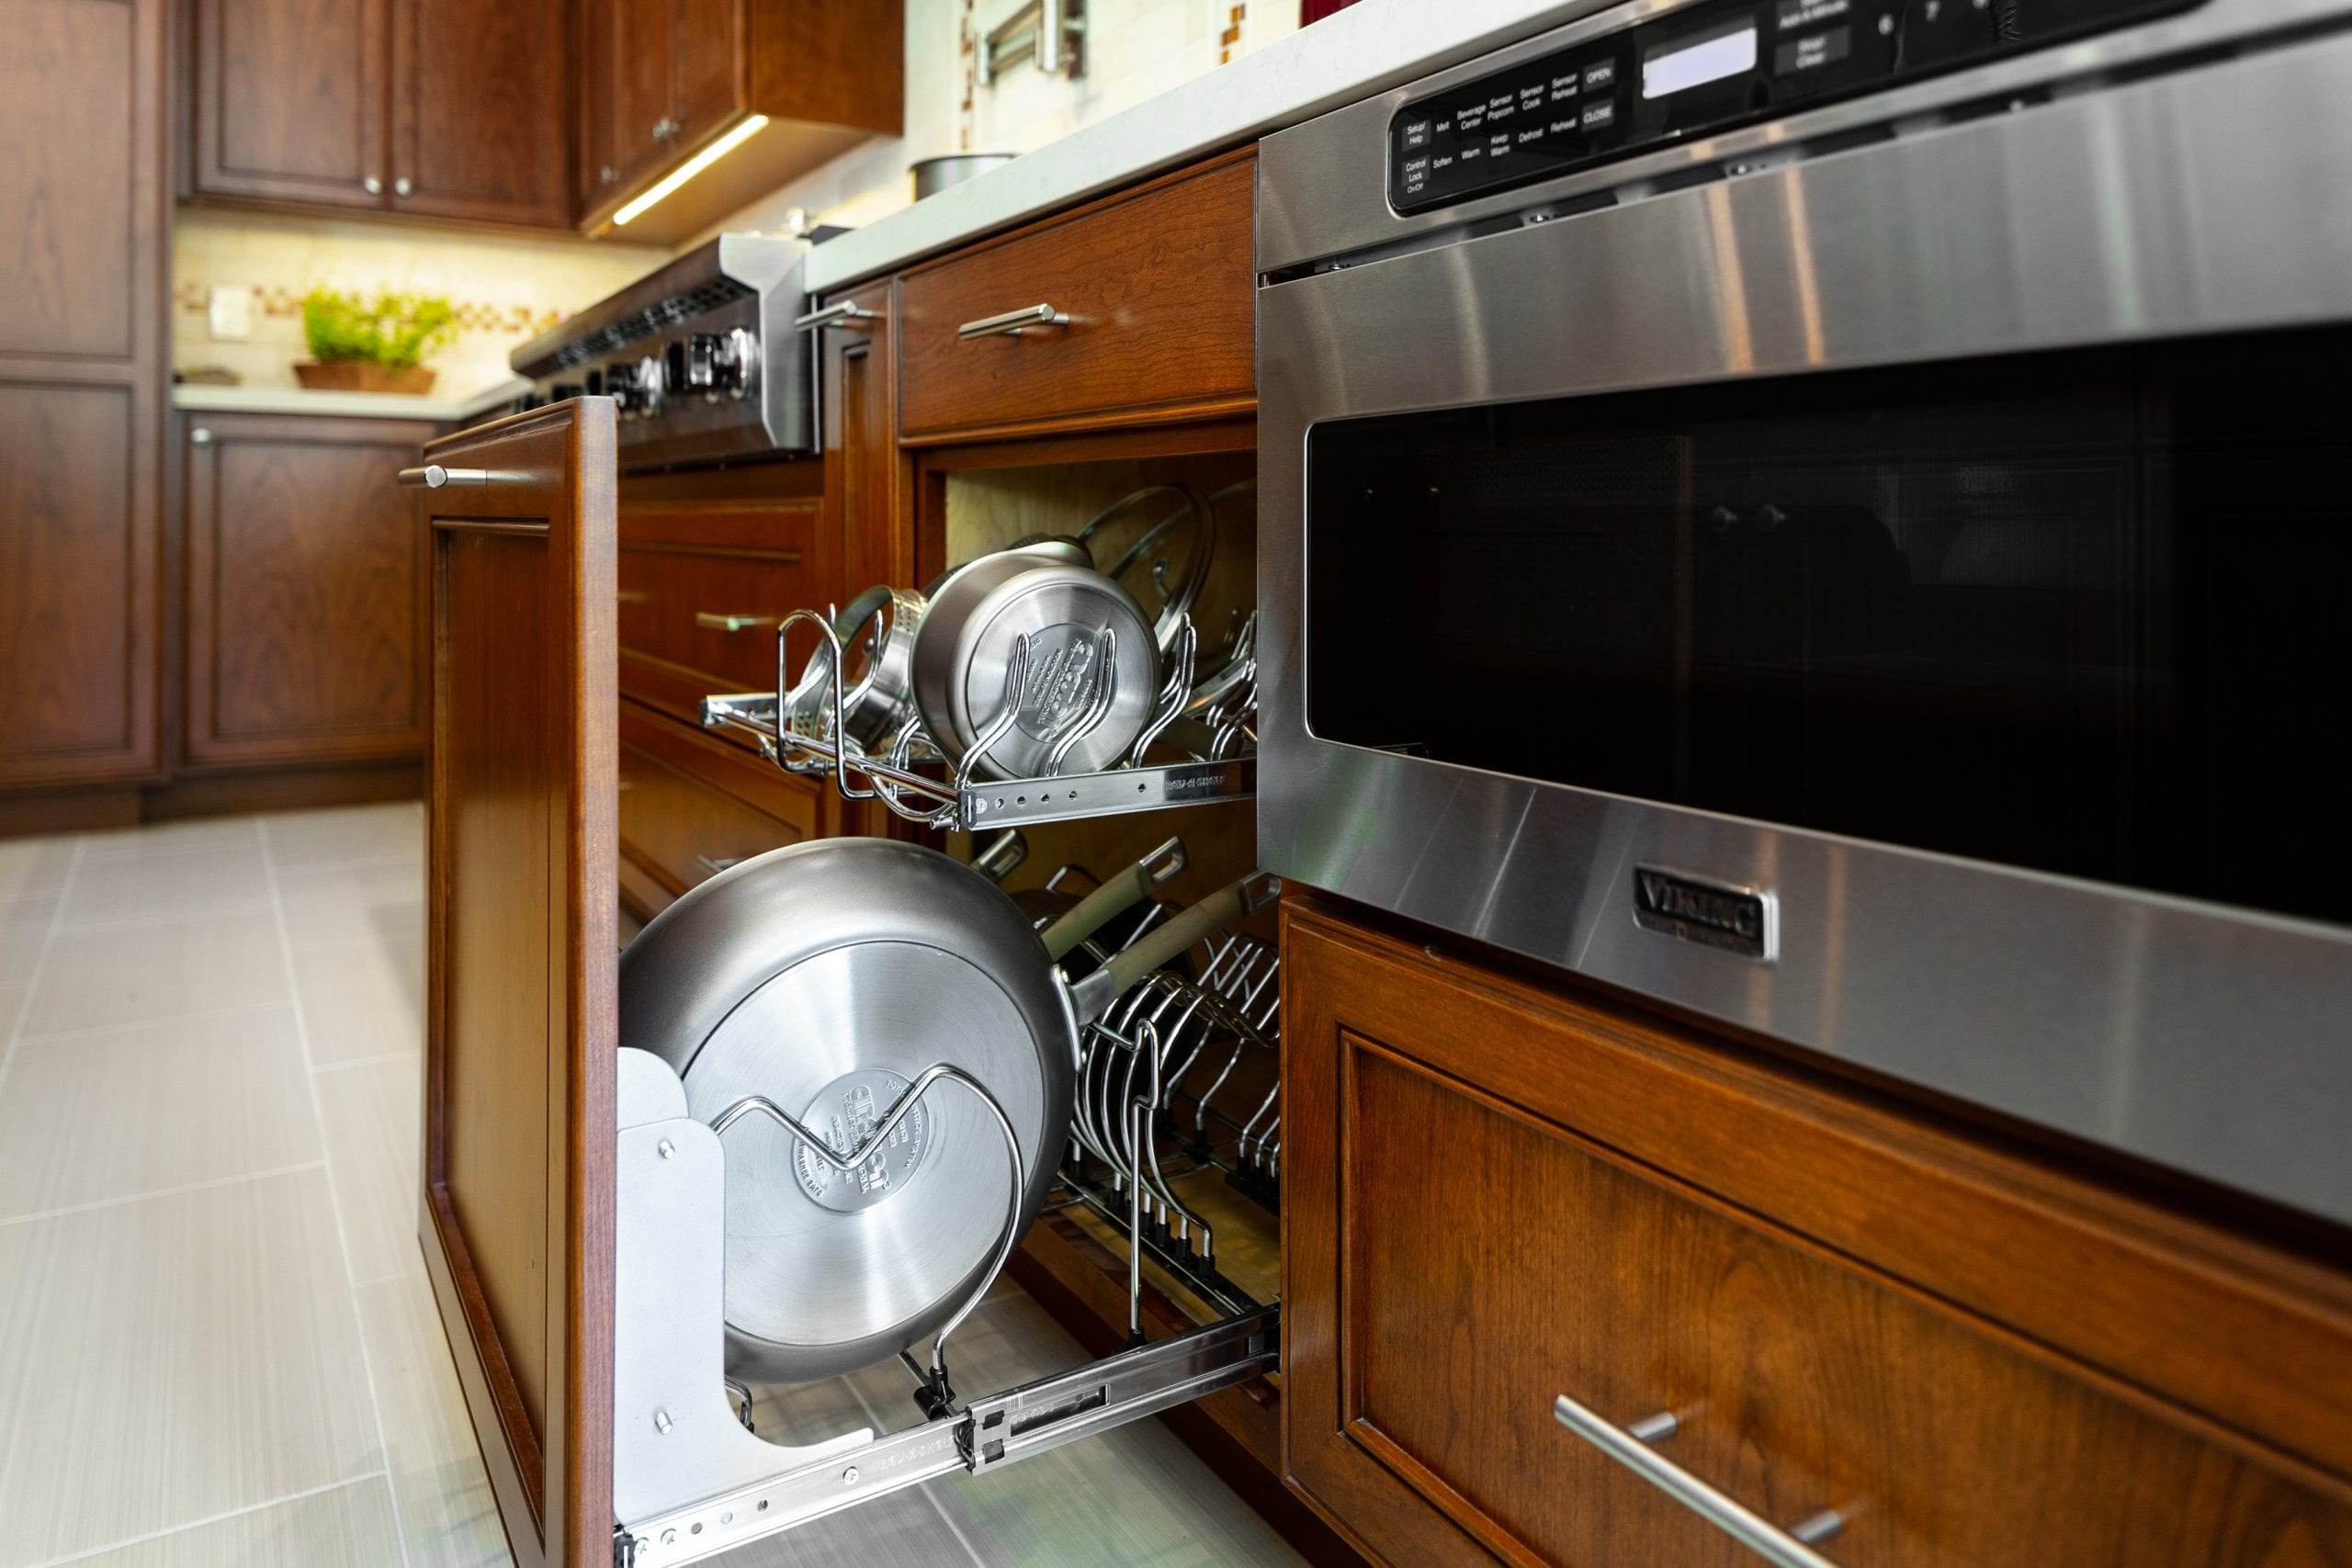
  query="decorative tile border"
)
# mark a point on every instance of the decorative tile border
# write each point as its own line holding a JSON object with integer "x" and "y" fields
{"x": 473, "y": 315}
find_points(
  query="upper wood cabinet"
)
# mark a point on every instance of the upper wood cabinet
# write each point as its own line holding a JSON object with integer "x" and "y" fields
{"x": 305, "y": 617}
{"x": 437, "y": 108}
{"x": 662, "y": 80}
{"x": 82, "y": 182}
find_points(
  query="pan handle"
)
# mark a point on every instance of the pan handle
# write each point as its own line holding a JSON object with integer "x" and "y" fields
{"x": 1214, "y": 913}
{"x": 1121, "y": 892}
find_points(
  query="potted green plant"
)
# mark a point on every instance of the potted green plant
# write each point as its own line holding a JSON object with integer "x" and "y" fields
{"x": 373, "y": 346}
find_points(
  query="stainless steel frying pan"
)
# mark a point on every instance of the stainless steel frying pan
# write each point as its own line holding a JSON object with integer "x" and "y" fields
{"x": 826, "y": 977}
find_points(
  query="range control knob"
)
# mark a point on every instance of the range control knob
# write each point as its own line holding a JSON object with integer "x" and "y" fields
{"x": 646, "y": 396}
{"x": 735, "y": 363}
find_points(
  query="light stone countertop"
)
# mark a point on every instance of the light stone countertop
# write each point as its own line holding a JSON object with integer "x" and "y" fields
{"x": 1367, "y": 48}
{"x": 348, "y": 405}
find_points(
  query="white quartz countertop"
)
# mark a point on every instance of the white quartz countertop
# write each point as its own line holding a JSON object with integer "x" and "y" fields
{"x": 347, "y": 405}
{"x": 1367, "y": 48}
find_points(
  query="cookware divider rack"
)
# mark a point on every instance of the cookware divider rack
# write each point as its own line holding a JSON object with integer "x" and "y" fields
{"x": 801, "y": 728}
{"x": 691, "y": 1480}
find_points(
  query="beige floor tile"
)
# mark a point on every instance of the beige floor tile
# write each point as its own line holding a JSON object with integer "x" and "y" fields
{"x": 346, "y": 1526}
{"x": 24, "y": 926}
{"x": 345, "y": 836}
{"x": 213, "y": 881}
{"x": 84, "y": 1118}
{"x": 447, "y": 1515}
{"x": 168, "y": 969}
{"x": 382, "y": 901}
{"x": 28, "y": 866}
{"x": 361, "y": 998}
{"x": 172, "y": 838}
{"x": 167, "y": 1361}
{"x": 370, "y": 1113}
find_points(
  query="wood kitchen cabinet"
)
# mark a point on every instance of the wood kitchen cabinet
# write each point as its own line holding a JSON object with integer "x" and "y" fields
{"x": 1497, "y": 1193}
{"x": 450, "y": 110}
{"x": 656, "y": 81}
{"x": 82, "y": 181}
{"x": 305, "y": 614}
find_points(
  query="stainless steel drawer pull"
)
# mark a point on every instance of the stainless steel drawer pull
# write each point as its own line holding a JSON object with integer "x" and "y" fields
{"x": 1790, "y": 1548}
{"x": 432, "y": 476}
{"x": 840, "y": 315}
{"x": 1013, "y": 323}
{"x": 722, "y": 623}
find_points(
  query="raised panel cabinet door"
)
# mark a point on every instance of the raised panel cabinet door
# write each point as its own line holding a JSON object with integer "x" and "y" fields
{"x": 479, "y": 107}
{"x": 72, "y": 166}
{"x": 712, "y": 56}
{"x": 1491, "y": 1199}
{"x": 644, "y": 97}
{"x": 289, "y": 100}
{"x": 517, "y": 1218}
{"x": 306, "y": 607}
{"x": 595, "y": 159}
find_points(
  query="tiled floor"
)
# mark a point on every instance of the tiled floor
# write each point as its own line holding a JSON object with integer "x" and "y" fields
{"x": 217, "y": 1343}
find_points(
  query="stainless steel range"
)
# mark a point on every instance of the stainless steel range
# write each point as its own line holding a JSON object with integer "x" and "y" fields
{"x": 701, "y": 356}
{"x": 1833, "y": 515}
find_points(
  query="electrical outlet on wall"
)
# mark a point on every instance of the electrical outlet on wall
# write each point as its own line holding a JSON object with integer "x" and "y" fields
{"x": 231, "y": 312}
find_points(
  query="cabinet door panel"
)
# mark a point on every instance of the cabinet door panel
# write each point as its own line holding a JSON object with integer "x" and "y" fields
{"x": 478, "y": 109}
{"x": 644, "y": 93}
{"x": 76, "y": 585}
{"x": 69, "y": 173}
{"x": 1456, "y": 1259}
{"x": 289, "y": 100}
{"x": 711, "y": 58}
{"x": 305, "y": 593}
{"x": 682, "y": 559}
{"x": 517, "y": 1208}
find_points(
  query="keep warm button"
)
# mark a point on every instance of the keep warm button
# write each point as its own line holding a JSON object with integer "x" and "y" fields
{"x": 1812, "y": 52}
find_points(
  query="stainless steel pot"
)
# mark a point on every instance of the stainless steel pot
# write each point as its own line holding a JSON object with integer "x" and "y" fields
{"x": 963, "y": 657}
{"x": 933, "y": 176}
{"x": 826, "y": 977}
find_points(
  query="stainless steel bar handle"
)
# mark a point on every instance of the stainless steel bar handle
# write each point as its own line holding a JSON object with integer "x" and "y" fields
{"x": 1790, "y": 1548}
{"x": 1013, "y": 323}
{"x": 839, "y": 315}
{"x": 720, "y": 622}
{"x": 432, "y": 476}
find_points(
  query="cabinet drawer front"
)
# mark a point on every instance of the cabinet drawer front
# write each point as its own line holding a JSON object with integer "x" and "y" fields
{"x": 1454, "y": 1262}
{"x": 691, "y": 806}
{"x": 1158, "y": 290}
{"x": 750, "y": 561}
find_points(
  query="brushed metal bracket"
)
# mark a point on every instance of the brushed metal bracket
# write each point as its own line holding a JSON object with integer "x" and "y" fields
{"x": 1051, "y": 32}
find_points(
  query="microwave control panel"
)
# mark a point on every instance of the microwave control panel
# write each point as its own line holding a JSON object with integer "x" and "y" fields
{"x": 1703, "y": 68}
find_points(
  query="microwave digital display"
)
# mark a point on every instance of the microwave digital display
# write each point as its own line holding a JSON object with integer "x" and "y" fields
{"x": 1727, "y": 50}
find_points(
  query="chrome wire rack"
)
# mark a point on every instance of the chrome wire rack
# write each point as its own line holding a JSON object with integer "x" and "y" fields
{"x": 1210, "y": 727}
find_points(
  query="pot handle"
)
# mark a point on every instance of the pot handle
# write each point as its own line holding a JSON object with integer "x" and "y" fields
{"x": 1214, "y": 913}
{"x": 1121, "y": 892}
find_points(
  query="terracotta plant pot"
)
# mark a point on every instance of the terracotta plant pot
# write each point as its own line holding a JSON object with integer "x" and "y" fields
{"x": 362, "y": 376}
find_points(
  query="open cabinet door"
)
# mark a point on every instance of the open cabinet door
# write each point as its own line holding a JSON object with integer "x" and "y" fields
{"x": 517, "y": 1208}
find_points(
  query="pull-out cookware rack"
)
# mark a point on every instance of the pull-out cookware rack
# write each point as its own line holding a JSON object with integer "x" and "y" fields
{"x": 805, "y": 730}
{"x": 690, "y": 1480}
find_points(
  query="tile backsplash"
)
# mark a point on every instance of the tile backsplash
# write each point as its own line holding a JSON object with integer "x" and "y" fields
{"x": 506, "y": 290}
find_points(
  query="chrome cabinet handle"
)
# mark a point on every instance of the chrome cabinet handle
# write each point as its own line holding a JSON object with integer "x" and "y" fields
{"x": 1631, "y": 1447}
{"x": 721, "y": 623}
{"x": 1013, "y": 323}
{"x": 403, "y": 186}
{"x": 372, "y": 186}
{"x": 839, "y": 315}
{"x": 432, "y": 476}
{"x": 199, "y": 436}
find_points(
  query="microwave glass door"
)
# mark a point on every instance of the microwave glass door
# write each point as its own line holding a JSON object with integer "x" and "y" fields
{"x": 2086, "y": 611}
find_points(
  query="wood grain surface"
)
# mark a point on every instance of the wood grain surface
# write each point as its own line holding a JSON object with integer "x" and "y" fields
{"x": 1494, "y": 1195}
{"x": 1157, "y": 284}
{"x": 478, "y": 110}
{"x": 289, "y": 99}
{"x": 520, "y": 957}
{"x": 306, "y": 614}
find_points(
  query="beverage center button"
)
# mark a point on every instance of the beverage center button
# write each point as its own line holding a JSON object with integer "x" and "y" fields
{"x": 1417, "y": 134}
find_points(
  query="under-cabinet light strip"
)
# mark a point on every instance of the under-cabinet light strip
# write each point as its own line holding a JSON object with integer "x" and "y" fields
{"x": 692, "y": 166}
